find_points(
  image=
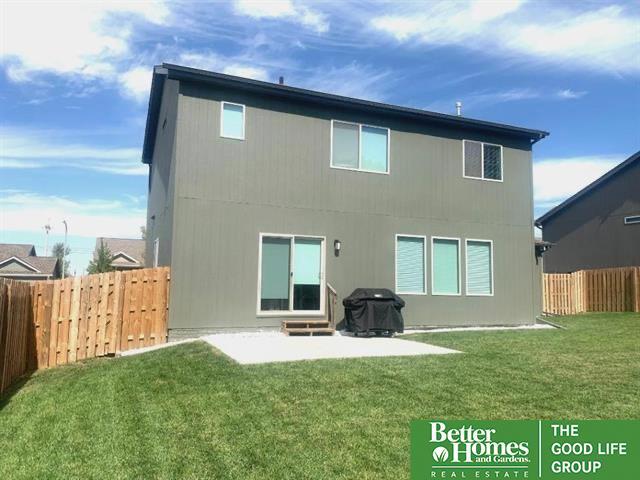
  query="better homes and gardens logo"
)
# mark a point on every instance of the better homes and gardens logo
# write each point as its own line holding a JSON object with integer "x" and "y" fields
{"x": 460, "y": 450}
{"x": 525, "y": 449}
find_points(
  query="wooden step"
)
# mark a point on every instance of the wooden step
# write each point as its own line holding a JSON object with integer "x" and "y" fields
{"x": 309, "y": 331}
{"x": 301, "y": 322}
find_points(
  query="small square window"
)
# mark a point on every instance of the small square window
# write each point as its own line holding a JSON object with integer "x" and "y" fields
{"x": 482, "y": 160}
{"x": 492, "y": 164}
{"x": 232, "y": 121}
{"x": 473, "y": 159}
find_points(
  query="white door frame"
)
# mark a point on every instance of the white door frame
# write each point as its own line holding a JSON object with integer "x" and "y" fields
{"x": 323, "y": 288}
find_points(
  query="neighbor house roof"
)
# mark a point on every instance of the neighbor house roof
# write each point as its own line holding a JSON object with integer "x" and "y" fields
{"x": 164, "y": 71}
{"x": 121, "y": 248}
{"x": 45, "y": 266}
{"x": 589, "y": 188}
{"x": 8, "y": 250}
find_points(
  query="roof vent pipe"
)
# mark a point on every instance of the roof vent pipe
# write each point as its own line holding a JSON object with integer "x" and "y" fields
{"x": 281, "y": 81}
{"x": 458, "y": 108}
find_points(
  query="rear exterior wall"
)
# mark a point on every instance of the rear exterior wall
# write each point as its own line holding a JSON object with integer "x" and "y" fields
{"x": 279, "y": 180}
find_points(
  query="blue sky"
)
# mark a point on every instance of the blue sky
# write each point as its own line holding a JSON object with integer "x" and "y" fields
{"x": 74, "y": 82}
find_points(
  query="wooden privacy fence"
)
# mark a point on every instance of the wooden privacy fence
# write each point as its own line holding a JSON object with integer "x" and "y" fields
{"x": 601, "y": 290}
{"x": 84, "y": 317}
{"x": 16, "y": 331}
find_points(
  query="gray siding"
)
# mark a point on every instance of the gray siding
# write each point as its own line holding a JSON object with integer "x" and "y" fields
{"x": 162, "y": 184}
{"x": 591, "y": 233}
{"x": 279, "y": 180}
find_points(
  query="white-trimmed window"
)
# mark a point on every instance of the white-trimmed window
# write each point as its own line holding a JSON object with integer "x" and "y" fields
{"x": 479, "y": 268}
{"x": 291, "y": 275}
{"x": 359, "y": 147}
{"x": 482, "y": 160}
{"x": 445, "y": 266}
{"x": 633, "y": 219}
{"x": 411, "y": 268}
{"x": 232, "y": 120}
{"x": 156, "y": 250}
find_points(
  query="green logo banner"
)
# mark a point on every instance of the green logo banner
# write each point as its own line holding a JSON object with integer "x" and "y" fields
{"x": 525, "y": 449}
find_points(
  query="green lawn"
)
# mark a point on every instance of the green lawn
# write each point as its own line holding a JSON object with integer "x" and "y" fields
{"x": 190, "y": 412}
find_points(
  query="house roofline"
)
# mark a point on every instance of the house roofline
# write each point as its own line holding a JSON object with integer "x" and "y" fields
{"x": 20, "y": 261}
{"x": 177, "y": 72}
{"x": 596, "y": 183}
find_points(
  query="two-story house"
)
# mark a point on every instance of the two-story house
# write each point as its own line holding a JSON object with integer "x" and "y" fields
{"x": 599, "y": 226}
{"x": 265, "y": 198}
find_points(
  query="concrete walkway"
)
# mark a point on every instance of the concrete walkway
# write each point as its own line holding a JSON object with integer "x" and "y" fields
{"x": 535, "y": 326}
{"x": 255, "y": 348}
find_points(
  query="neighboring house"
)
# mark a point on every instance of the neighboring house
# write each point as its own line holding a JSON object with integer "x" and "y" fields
{"x": 598, "y": 227}
{"x": 262, "y": 195}
{"x": 20, "y": 262}
{"x": 127, "y": 253}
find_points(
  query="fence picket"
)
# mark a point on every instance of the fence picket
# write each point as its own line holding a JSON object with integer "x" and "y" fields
{"x": 53, "y": 322}
{"x": 601, "y": 290}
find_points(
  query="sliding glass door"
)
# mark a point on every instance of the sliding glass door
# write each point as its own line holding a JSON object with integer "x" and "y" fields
{"x": 291, "y": 274}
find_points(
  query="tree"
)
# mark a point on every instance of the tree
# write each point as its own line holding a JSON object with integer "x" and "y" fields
{"x": 61, "y": 254}
{"x": 101, "y": 260}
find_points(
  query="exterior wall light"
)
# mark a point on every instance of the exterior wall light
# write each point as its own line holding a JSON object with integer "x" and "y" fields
{"x": 337, "y": 245}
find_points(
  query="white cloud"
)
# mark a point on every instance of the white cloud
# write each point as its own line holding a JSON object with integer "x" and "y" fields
{"x": 248, "y": 72}
{"x": 605, "y": 39}
{"x": 83, "y": 39}
{"x": 350, "y": 80}
{"x": 483, "y": 98}
{"x": 36, "y": 149}
{"x": 570, "y": 94}
{"x": 284, "y": 9}
{"x": 27, "y": 212}
{"x": 137, "y": 82}
{"x": 556, "y": 179}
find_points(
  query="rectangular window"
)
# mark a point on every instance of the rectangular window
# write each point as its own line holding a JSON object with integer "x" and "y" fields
{"x": 291, "y": 276}
{"x": 445, "y": 266}
{"x": 482, "y": 160}
{"x": 232, "y": 120}
{"x": 410, "y": 264}
{"x": 479, "y": 267}
{"x": 346, "y": 149}
{"x": 359, "y": 147}
{"x": 632, "y": 219}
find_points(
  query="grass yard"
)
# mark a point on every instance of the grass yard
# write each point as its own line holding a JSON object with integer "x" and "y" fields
{"x": 190, "y": 412}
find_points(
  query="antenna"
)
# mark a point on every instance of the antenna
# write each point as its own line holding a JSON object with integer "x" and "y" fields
{"x": 47, "y": 228}
{"x": 459, "y": 109}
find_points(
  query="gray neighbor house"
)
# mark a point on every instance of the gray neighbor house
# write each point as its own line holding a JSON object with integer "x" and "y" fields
{"x": 265, "y": 198}
{"x": 598, "y": 227}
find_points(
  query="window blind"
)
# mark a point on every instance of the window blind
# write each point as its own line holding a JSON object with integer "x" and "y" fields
{"x": 410, "y": 265}
{"x": 446, "y": 268}
{"x": 479, "y": 268}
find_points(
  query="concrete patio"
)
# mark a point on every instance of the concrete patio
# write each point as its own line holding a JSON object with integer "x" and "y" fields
{"x": 268, "y": 347}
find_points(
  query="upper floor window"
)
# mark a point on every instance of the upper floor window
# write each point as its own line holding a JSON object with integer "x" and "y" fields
{"x": 632, "y": 219}
{"x": 232, "y": 120}
{"x": 359, "y": 147}
{"x": 482, "y": 160}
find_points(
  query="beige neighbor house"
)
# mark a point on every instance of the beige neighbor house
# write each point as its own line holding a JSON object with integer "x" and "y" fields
{"x": 127, "y": 253}
{"x": 19, "y": 261}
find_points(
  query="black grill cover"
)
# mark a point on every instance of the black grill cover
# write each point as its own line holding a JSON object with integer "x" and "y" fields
{"x": 371, "y": 309}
